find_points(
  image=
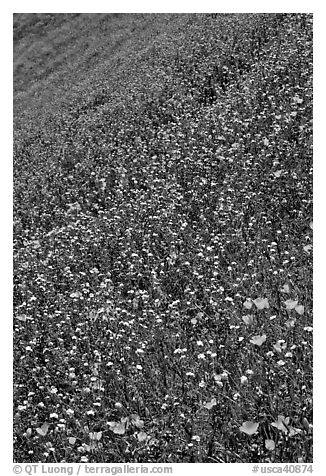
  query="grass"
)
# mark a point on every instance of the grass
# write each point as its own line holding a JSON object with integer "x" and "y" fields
{"x": 163, "y": 238}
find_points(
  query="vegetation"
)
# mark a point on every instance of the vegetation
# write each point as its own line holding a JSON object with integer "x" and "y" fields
{"x": 163, "y": 238}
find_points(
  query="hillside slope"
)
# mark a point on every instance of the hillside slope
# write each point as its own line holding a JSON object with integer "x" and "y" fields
{"x": 163, "y": 237}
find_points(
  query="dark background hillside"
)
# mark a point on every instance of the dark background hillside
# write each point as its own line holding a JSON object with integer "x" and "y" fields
{"x": 163, "y": 177}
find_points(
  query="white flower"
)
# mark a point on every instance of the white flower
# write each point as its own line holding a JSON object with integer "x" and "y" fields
{"x": 217, "y": 378}
{"x": 244, "y": 379}
{"x": 70, "y": 412}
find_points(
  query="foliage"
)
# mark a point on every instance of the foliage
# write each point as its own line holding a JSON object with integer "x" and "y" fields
{"x": 163, "y": 238}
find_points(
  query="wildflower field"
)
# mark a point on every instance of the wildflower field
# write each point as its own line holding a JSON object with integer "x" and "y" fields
{"x": 162, "y": 238}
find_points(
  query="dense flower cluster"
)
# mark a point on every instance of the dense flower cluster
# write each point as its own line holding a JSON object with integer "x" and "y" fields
{"x": 163, "y": 238}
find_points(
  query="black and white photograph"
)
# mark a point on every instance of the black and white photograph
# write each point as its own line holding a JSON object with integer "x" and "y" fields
{"x": 162, "y": 240}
